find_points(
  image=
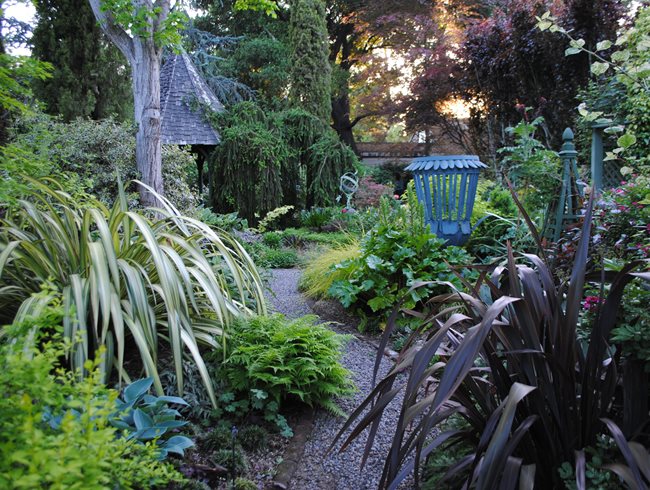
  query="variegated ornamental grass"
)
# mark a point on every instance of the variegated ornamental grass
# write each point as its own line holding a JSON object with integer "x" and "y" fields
{"x": 125, "y": 278}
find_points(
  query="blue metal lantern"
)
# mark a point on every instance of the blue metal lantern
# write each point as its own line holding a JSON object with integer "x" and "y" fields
{"x": 446, "y": 187}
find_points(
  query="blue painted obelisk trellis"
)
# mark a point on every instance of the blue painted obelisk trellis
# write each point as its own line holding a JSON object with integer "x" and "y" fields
{"x": 446, "y": 187}
{"x": 566, "y": 209}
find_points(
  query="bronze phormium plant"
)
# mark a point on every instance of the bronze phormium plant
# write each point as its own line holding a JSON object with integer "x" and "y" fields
{"x": 507, "y": 360}
{"x": 125, "y": 279}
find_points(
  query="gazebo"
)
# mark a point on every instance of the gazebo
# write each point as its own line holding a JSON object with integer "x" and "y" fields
{"x": 184, "y": 95}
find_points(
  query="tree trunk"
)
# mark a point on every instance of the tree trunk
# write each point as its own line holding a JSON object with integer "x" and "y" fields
{"x": 146, "y": 101}
{"x": 144, "y": 58}
{"x": 341, "y": 120}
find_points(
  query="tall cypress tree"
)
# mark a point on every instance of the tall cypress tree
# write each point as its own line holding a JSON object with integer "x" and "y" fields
{"x": 90, "y": 77}
{"x": 311, "y": 73}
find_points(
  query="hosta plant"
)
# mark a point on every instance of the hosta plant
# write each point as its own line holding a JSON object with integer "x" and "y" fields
{"x": 507, "y": 359}
{"x": 145, "y": 417}
{"x": 127, "y": 280}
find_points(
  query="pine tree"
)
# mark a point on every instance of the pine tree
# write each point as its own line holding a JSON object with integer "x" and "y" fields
{"x": 311, "y": 73}
{"x": 90, "y": 77}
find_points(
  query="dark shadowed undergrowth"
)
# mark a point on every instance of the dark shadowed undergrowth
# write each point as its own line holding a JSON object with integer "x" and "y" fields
{"x": 507, "y": 360}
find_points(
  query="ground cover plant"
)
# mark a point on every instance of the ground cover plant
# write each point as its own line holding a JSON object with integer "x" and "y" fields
{"x": 126, "y": 280}
{"x": 506, "y": 358}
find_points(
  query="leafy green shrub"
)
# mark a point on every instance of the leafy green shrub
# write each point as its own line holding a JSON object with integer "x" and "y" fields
{"x": 55, "y": 429}
{"x": 253, "y": 437}
{"x": 394, "y": 256}
{"x": 533, "y": 169}
{"x": 301, "y": 237}
{"x": 272, "y": 239}
{"x": 95, "y": 153}
{"x": 226, "y": 222}
{"x": 501, "y": 223}
{"x": 271, "y": 258}
{"x": 320, "y": 273}
{"x": 272, "y": 218}
{"x": 126, "y": 280}
{"x": 288, "y": 359}
{"x": 316, "y": 217}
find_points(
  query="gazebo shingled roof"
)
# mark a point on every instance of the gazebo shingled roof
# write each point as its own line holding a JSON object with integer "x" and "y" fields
{"x": 181, "y": 87}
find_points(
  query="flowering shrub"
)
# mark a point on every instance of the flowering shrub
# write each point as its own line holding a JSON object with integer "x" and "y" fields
{"x": 623, "y": 234}
{"x": 370, "y": 192}
{"x": 623, "y": 220}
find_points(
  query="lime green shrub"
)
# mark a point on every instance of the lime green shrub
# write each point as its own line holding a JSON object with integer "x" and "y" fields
{"x": 55, "y": 430}
{"x": 288, "y": 359}
{"x": 126, "y": 280}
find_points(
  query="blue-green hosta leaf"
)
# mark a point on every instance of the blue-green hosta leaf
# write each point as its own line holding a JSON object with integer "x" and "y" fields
{"x": 173, "y": 399}
{"x": 177, "y": 444}
{"x": 119, "y": 424}
{"x": 148, "y": 434}
{"x": 142, "y": 420}
{"x": 150, "y": 399}
{"x": 171, "y": 424}
{"x": 136, "y": 389}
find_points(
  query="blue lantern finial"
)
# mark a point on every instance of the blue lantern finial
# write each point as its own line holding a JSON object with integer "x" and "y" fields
{"x": 446, "y": 187}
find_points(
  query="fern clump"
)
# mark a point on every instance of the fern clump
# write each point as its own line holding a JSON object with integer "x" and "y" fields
{"x": 288, "y": 359}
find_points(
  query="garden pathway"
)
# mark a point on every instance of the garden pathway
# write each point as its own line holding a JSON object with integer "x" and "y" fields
{"x": 316, "y": 470}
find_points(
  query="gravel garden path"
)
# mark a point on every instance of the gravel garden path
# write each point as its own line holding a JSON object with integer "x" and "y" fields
{"x": 336, "y": 471}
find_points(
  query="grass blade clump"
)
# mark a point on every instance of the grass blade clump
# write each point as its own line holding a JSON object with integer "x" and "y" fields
{"x": 128, "y": 280}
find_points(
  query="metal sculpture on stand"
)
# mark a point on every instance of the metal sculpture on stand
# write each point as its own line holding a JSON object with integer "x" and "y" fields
{"x": 349, "y": 184}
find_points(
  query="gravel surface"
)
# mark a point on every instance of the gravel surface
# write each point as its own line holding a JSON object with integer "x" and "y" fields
{"x": 340, "y": 471}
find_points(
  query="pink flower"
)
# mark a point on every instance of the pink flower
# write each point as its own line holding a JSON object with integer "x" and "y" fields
{"x": 344, "y": 210}
{"x": 396, "y": 196}
{"x": 591, "y": 302}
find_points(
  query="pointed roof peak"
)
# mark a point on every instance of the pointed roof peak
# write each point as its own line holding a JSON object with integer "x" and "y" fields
{"x": 183, "y": 96}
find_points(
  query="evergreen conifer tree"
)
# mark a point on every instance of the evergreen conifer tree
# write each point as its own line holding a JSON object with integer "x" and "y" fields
{"x": 311, "y": 73}
{"x": 90, "y": 77}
